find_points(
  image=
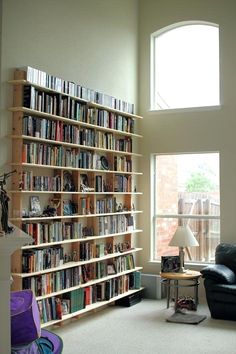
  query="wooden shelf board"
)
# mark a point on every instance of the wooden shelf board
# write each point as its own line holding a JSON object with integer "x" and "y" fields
{"x": 90, "y": 308}
{"x": 71, "y": 121}
{"x": 89, "y": 283}
{"x": 74, "y": 216}
{"x": 75, "y": 146}
{"x": 79, "y": 193}
{"x": 76, "y": 264}
{"x": 88, "y": 103}
{"x": 84, "y": 239}
{"x": 34, "y": 165}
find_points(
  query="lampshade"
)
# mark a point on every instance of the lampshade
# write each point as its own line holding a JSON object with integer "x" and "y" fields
{"x": 183, "y": 237}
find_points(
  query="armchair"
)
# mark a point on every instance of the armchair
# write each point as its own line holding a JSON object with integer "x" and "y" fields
{"x": 220, "y": 283}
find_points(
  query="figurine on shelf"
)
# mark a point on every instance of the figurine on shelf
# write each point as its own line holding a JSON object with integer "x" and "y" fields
{"x": 51, "y": 210}
{"x": 4, "y": 204}
{"x": 74, "y": 256}
{"x": 84, "y": 186}
{"x": 119, "y": 207}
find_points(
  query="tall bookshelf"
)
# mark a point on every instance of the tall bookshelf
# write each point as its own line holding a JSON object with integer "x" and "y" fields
{"x": 74, "y": 192}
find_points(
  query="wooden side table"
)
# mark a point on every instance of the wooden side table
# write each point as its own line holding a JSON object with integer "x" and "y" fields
{"x": 181, "y": 280}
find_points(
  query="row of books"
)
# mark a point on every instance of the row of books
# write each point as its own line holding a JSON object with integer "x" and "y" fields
{"x": 40, "y": 259}
{"x": 113, "y": 287}
{"x": 47, "y": 232}
{"x": 115, "y": 224}
{"x": 106, "y": 205}
{"x": 79, "y": 112}
{"x": 109, "y": 120}
{"x": 86, "y": 206}
{"x": 48, "y": 283}
{"x": 122, "y": 163}
{"x": 45, "y": 284}
{"x": 89, "y": 250}
{"x": 123, "y": 263}
{"x": 36, "y": 260}
{"x": 122, "y": 183}
{"x": 69, "y": 108}
{"x": 30, "y": 182}
{"x": 53, "y": 104}
{"x": 55, "y": 307}
{"x": 102, "y": 185}
{"x": 41, "y": 78}
{"x": 50, "y": 155}
{"x": 46, "y": 154}
{"x": 59, "y": 131}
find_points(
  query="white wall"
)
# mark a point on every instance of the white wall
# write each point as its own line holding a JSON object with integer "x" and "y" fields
{"x": 95, "y": 42}
{"x": 190, "y": 131}
{"x": 92, "y": 42}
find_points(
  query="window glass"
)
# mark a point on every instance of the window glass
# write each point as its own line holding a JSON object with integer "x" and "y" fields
{"x": 186, "y": 192}
{"x": 185, "y": 67}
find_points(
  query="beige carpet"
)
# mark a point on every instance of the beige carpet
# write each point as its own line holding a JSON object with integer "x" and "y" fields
{"x": 142, "y": 328}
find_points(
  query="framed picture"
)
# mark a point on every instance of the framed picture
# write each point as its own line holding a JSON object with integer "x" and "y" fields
{"x": 35, "y": 208}
{"x": 68, "y": 184}
{"x": 104, "y": 163}
{"x": 111, "y": 269}
{"x": 69, "y": 207}
{"x": 170, "y": 264}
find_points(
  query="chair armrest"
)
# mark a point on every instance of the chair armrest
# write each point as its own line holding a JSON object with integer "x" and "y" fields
{"x": 219, "y": 273}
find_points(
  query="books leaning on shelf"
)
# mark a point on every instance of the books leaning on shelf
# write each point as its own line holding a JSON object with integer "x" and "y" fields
{"x": 41, "y": 78}
{"x": 54, "y": 308}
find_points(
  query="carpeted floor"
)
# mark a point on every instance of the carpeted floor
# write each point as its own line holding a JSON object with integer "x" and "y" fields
{"x": 143, "y": 328}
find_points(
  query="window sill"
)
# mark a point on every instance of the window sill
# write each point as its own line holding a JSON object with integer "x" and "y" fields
{"x": 182, "y": 110}
{"x": 195, "y": 265}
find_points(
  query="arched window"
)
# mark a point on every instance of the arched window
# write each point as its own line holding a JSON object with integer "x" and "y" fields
{"x": 185, "y": 66}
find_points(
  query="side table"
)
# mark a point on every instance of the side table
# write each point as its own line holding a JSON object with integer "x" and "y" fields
{"x": 181, "y": 280}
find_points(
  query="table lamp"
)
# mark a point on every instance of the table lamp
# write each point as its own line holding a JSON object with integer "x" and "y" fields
{"x": 183, "y": 237}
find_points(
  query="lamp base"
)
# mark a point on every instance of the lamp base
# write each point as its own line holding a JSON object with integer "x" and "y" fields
{"x": 181, "y": 256}
{"x": 182, "y": 270}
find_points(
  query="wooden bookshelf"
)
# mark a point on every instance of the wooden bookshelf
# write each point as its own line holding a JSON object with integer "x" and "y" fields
{"x": 74, "y": 192}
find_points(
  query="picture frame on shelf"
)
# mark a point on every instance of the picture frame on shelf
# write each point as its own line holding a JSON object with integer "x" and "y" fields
{"x": 104, "y": 163}
{"x": 68, "y": 184}
{"x": 69, "y": 208}
{"x": 35, "y": 207}
{"x": 111, "y": 269}
{"x": 170, "y": 264}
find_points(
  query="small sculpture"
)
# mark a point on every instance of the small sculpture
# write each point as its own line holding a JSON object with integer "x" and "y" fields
{"x": 4, "y": 199}
{"x": 51, "y": 210}
{"x": 84, "y": 187}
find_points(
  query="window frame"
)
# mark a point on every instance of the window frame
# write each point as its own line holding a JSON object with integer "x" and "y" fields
{"x": 155, "y": 215}
{"x": 152, "y": 82}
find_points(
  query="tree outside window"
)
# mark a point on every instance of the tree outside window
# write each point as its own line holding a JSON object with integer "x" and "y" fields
{"x": 186, "y": 192}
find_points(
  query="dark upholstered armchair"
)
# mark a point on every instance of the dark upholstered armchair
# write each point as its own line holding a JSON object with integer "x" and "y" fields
{"x": 220, "y": 283}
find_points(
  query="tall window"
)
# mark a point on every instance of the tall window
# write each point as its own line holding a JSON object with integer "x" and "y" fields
{"x": 186, "y": 192}
{"x": 185, "y": 66}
